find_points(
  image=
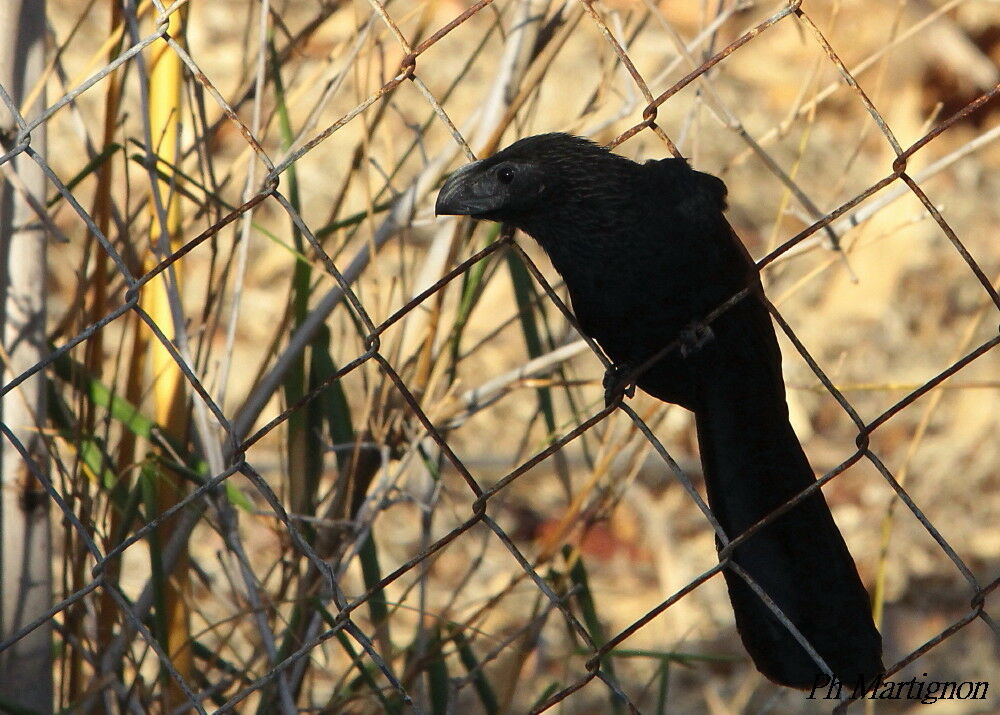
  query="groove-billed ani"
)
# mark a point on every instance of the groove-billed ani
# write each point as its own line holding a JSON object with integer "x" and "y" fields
{"x": 647, "y": 254}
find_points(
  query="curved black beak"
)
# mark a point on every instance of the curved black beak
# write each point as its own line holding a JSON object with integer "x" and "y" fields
{"x": 465, "y": 194}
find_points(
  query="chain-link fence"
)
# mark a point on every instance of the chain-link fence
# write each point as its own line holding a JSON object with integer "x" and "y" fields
{"x": 289, "y": 415}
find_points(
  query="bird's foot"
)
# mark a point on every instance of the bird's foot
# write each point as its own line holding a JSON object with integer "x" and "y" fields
{"x": 694, "y": 337}
{"x": 617, "y": 385}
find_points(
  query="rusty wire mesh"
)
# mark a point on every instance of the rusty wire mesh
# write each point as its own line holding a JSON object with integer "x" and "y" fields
{"x": 424, "y": 425}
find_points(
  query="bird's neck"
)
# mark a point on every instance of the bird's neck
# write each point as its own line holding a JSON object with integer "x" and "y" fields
{"x": 582, "y": 237}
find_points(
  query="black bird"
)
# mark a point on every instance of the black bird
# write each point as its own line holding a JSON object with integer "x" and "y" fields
{"x": 647, "y": 254}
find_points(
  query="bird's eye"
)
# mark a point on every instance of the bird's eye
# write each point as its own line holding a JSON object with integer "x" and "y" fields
{"x": 505, "y": 175}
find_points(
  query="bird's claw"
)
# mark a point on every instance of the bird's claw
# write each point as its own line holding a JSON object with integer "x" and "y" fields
{"x": 694, "y": 337}
{"x": 616, "y": 384}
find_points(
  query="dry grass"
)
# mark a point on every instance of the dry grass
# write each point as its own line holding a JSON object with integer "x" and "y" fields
{"x": 889, "y": 313}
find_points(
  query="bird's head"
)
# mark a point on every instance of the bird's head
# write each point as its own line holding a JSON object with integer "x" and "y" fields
{"x": 531, "y": 179}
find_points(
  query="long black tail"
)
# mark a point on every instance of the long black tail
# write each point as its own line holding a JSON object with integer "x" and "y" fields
{"x": 753, "y": 464}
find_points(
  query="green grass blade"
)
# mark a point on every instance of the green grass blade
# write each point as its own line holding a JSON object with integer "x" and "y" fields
{"x": 471, "y": 665}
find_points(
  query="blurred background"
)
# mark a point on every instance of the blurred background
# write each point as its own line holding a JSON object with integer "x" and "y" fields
{"x": 272, "y": 386}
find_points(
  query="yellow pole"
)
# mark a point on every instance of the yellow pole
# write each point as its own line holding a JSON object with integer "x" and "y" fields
{"x": 165, "y": 83}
